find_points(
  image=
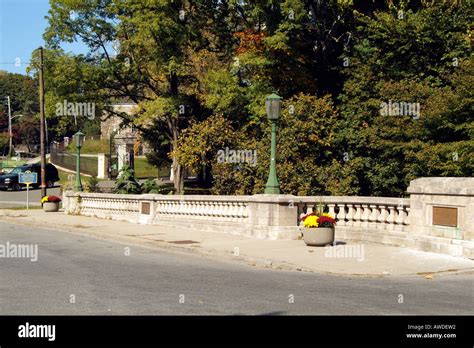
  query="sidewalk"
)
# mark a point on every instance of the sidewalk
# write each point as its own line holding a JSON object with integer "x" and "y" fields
{"x": 347, "y": 258}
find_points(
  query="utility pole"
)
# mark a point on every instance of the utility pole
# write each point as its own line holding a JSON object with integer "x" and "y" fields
{"x": 9, "y": 127}
{"x": 42, "y": 126}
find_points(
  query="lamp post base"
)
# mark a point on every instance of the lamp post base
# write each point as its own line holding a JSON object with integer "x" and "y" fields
{"x": 272, "y": 190}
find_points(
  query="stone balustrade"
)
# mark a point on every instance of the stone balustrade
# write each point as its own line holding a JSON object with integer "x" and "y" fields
{"x": 379, "y": 213}
{"x": 437, "y": 217}
{"x": 202, "y": 209}
{"x": 119, "y": 207}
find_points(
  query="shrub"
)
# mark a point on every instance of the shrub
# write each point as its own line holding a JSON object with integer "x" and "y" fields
{"x": 151, "y": 186}
{"x": 92, "y": 185}
{"x": 126, "y": 182}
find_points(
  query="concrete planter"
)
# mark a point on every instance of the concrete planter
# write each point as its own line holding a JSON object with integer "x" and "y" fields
{"x": 318, "y": 236}
{"x": 51, "y": 206}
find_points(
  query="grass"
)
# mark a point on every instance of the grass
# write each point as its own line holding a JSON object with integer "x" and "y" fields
{"x": 10, "y": 164}
{"x": 145, "y": 170}
{"x": 91, "y": 147}
{"x": 63, "y": 177}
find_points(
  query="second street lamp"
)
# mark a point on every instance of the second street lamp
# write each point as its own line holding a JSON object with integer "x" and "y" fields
{"x": 273, "y": 108}
{"x": 78, "y": 141}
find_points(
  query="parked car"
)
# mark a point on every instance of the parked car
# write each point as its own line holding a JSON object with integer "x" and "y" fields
{"x": 10, "y": 180}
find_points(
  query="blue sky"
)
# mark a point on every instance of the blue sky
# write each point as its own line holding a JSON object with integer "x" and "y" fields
{"x": 22, "y": 24}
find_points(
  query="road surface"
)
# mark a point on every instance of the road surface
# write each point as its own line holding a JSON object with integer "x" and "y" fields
{"x": 75, "y": 274}
{"x": 12, "y": 199}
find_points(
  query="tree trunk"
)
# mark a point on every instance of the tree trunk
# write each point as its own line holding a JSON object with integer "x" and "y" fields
{"x": 178, "y": 170}
{"x": 178, "y": 177}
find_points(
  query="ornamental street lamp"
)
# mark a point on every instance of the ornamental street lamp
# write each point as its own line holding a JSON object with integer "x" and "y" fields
{"x": 78, "y": 141}
{"x": 273, "y": 107}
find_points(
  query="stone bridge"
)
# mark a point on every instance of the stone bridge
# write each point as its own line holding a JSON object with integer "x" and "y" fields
{"x": 438, "y": 216}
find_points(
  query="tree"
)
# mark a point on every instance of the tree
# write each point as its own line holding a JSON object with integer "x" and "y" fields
{"x": 150, "y": 68}
{"x": 420, "y": 57}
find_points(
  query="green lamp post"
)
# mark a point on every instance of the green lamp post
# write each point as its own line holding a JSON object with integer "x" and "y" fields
{"x": 79, "y": 141}
{"x": 273, "y": 107}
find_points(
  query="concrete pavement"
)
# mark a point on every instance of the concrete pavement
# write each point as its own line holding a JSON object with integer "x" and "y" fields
{"x": 79, "y": 275}
{"x": 347, "y": 258}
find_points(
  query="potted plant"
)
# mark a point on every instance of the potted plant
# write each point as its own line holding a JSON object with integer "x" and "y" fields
{"x": 50, "y": 203}
{"x": 318, "y": 228}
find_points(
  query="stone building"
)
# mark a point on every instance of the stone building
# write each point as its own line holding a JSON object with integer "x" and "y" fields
{"x": 112, "y": 124}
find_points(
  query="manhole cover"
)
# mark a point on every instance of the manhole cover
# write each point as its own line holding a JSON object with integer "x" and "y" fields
{"x": 183, "y": 242}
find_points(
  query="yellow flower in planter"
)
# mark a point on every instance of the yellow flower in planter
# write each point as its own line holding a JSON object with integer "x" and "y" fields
{"x": 311, "y": 221}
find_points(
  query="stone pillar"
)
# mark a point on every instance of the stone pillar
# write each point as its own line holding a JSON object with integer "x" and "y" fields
{"x": 102, "y": 166}
{"x": 121, "y": 156}
{"x": 147, "y": 209}
{"x": 273, "y": 216}
{"x": 124, "y": 144}
{"x": 443, "y": 208}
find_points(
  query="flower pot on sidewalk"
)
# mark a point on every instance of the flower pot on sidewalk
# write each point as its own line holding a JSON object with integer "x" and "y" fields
{"x": 50, "y": 203}
{"x": 50, "y": 206}
{"x": 318, "y": 236}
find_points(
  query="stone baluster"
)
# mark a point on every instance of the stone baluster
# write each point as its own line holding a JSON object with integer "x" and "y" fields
{"x": 205, "y": 209}
{"x": 242, "y": 211}
{"x": 364, "y": 218}
{"x": 211, "y": 209}
{"x": 190, "y": 209}
{"x": 332, "y": 210}
{"x": 202, "y": 209}
{"x": 217, "y": 209}
{"x": 161, "y": 208}
{"x": 391, "y": 218}
{"x": 341, "y": 215}
{"x": 227, "y": 211}
{"x": 233, "y": 211}
{"x": 373, "y": 216}
{"x": 357, "y": 215}
{"x": 407, "y": 214}
{"x": 196, "y": 209}
{"x": 349, "y": 215}
{"x": 381, "y": 219}
{"x": 402, "y": 215}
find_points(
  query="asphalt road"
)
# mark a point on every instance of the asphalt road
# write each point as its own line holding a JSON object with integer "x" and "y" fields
{"x": 14, "y": 199}
{"x": 102, "y": 279}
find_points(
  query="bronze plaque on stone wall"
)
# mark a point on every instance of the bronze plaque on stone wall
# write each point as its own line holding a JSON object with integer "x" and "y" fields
{"x": 145, "y": 208}
{"x": 444, "y": 216}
